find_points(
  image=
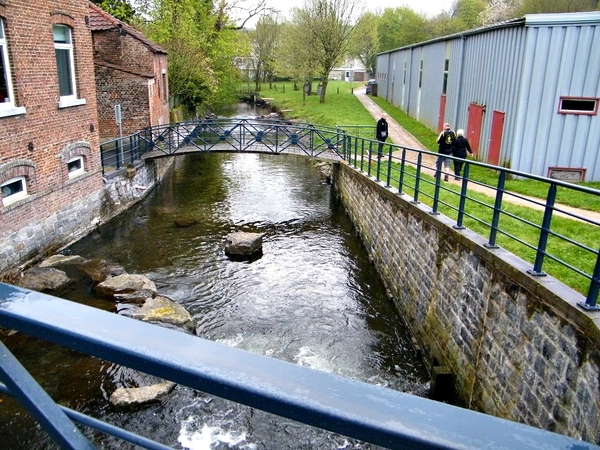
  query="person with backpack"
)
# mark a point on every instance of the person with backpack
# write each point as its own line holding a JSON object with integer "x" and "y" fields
{"x": 445, "y": 143}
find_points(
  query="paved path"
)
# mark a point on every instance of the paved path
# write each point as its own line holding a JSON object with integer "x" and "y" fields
{"x": 399, "y": 136}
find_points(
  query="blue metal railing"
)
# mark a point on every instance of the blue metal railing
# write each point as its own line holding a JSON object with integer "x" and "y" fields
{"x": 352, "y": 408}
{"x": 542, "y": 238}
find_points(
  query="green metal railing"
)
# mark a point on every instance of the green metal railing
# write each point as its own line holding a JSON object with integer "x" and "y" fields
{"x": 539, "y": 231}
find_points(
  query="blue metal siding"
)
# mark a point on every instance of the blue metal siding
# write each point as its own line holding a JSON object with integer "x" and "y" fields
{"x": 565, "y": 62}
{"x": 522, "y": 71}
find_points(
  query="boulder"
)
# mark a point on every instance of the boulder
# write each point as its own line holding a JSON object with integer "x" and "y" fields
{"x": 57, "y": 260}
{"x": 128, "y": 286}
{"x": 131, "y": 397}
{"x": 163, "y": 309}
{"x": 43, "y": 279}
{"x": 243, "y": 244}
{"x": 99, "y": 270}
{"x": 184, "y": 223}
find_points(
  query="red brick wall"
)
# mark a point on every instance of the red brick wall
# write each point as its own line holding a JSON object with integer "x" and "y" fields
{"x": 128, "y": 73}
{"x": 49, "y": 129}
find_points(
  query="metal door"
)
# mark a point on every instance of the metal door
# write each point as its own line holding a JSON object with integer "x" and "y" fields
{"x": 474, "y": 126}
{"x": 441, "y": 115}
{"x": 496, "y": 137}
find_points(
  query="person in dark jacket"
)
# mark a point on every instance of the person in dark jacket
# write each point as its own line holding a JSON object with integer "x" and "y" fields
{"x": 459, "y": 149}
{"x": 381, "y": 134}
{"x": 445, "y": 142}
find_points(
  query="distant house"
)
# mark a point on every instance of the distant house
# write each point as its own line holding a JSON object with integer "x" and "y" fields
{"x": 130, "y": 71}
{"x": 527, "y": 91}
{"x": 50, "y": 175}
{"x": 351, "y": 70}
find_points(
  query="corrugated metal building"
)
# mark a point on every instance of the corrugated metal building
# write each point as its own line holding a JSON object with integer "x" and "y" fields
{"x": 526, "y": 91}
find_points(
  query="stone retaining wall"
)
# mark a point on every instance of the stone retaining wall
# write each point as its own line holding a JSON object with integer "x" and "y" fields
{"x": 39, "y": 238}
{"x": 517, "y": 347}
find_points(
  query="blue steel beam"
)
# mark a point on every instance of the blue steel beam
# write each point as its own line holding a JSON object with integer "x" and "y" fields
{"x": 34, "y": 399}
{"x": 370, "y": 413}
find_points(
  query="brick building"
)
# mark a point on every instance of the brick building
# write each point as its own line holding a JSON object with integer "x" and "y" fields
{"x": 49, "y": 156}
{"x": 131, "y": 71}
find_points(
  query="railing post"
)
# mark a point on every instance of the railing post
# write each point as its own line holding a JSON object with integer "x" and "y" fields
{"x": 418, "y": 178}
{"x": 497, "y": 210}
{"x": 436, "y": 190}
{"x": 544, "y": 232}
{"x": 370, "y": 158}
{"x": 118, "y": 151}
{"x": 592, "y": 296}
{"x": 389, "y": 167}
{"x": 463, "y": 197}
{"x": 401, "y": 176}
{"x": 39, "y": 404}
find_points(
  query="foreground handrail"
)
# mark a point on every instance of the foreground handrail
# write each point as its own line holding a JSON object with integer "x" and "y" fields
{"x": 370, "y": 413}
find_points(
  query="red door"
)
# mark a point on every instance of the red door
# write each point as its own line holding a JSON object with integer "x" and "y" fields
{"x": 496, "y": 137}
{"x": 474, "y": 126}
{"x": 441, "y": 114}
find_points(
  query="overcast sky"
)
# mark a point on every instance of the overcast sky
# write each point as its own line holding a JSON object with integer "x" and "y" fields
{"x": 429, "y": 7}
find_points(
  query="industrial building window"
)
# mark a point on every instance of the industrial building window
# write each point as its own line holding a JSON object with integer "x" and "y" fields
{"x": 13, "y": 190}
{"x": 75, "y": 166}
{"x": 421, "y": 74}
{"x": 445, "y": 84}
{"x": 578, "y": 105}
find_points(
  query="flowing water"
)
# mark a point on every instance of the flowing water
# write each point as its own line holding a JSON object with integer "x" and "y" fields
{"x": 312, "y": 298}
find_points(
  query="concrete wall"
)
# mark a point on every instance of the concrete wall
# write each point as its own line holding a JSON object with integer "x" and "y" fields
{"x": 36, "y": 239}
{"x": 517, "y": 347}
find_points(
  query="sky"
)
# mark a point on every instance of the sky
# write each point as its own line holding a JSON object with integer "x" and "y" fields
{"x": 428, "y": 7}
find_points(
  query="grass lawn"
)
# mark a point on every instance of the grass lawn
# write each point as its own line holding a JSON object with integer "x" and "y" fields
{"x": 342, "y": 108}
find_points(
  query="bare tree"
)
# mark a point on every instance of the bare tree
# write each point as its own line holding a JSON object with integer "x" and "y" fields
{"x": 264, "y": 41}
{"x": 330, "y": 25}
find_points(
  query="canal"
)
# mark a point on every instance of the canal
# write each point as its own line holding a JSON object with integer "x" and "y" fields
{"x": 313, "y": 298}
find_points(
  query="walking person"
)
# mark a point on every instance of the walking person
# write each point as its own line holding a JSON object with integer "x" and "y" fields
{"x": 460, "y": 149}
{"x": 381, "y": 134}
{"x": 445, "y": 142}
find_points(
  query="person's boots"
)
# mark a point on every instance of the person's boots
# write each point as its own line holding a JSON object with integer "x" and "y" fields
{"x": 445, "y": 177}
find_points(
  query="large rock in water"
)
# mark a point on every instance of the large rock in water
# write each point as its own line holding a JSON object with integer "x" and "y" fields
{"x": 163, "y": 309}
{"x": 243, "y": 244}
{"x": 131, "y": 397}
{"x": 128, "y": 287}
{"x": 43, "y": 279}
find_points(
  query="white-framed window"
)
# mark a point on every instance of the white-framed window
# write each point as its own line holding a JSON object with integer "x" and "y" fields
{"x": 578, "y": 105}
{"x": 65, "y": 64}
{"x": 75, "y": 166}
{"x": 7, "y": 96}
{"x": 13, "y": 190}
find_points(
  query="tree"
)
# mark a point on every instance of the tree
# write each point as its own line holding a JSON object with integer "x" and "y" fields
{"x": 467, "y": 13}
{"x": 121, "y": 9}
{"x": 296, "y": 54}
{"x": 264, "y": 41}
{"x": 398, "y": 27}
{"x": 201, "y": 42}
{"x": 498, "y": 11}
{"x": 330, "y": 23}
{"x": 365, "y": 41}
{"x": 556, "y": 6}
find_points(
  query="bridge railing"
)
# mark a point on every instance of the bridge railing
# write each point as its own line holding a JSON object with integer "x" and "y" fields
{"x": 556, "y": 239}
{"x": 352, "y": 408}
{"x": 536, "y": 229}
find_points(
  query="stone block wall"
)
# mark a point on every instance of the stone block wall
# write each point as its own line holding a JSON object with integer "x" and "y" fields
{"x": 518, "y": 346}
{"x": 36, "y": 239}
